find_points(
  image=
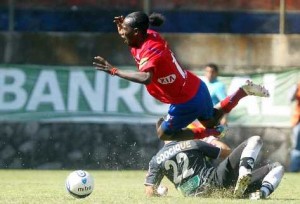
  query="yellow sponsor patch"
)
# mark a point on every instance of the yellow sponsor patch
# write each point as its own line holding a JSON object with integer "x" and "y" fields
{"x": 143, "y": 61}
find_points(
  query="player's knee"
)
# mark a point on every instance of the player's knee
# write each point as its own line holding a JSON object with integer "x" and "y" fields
{"x": 163, "y": 132}
{"x": 159, "y": 122}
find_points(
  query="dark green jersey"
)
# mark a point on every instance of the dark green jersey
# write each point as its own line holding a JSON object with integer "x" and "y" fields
{"x": 181, "y": 162}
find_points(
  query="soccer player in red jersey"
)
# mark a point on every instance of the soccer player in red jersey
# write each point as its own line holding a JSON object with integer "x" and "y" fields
{"x": 168, "y": 82}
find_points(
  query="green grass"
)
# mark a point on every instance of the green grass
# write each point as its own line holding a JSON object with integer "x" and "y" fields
{"x": 41, "y": 186}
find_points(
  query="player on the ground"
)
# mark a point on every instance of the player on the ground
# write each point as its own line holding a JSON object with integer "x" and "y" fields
{"x": 167, "y": 81}
{"x": 185, "y": 165}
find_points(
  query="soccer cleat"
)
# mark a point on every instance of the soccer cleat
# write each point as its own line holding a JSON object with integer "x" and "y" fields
{"x": 256, "y": 90}
{"x": 241, "y": 185}
{"x": 222, "y": 129}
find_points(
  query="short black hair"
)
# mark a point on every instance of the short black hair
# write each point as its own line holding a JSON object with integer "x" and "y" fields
{"x": 213, "y": 66}
{"x": 142, "y": 21}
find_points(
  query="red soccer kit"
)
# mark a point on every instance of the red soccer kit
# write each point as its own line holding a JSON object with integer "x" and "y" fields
{"x": 170, "y": 83}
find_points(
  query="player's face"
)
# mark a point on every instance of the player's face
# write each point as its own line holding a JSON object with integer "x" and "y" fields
{"x": 210, "y": 73}
{"x": 128, "y": 33}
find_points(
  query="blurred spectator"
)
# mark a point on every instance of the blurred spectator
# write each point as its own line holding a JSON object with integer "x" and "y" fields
{"x": 216, "y": 88}
{"x": 295, "y": 152}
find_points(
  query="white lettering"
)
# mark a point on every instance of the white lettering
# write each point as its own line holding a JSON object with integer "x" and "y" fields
{"x": 166, "y": 154}
{"x": 127, "y": 95}
{"x": 171, "y": 151}
{"x": 158, "y": 160}
{"x": 177, "y": 147}
{"x": 78, "y": 81}
{"x": 46, "y": 90}
{"x": 12, "y": 94}
{"x": 167, "y": 80}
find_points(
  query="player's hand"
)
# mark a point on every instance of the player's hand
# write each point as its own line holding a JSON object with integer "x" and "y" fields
{"x": 102, "y": 65}
{"x": 118, "y": 20}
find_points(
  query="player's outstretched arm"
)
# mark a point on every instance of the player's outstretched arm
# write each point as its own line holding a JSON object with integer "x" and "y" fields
{"x": 138, "y": 77}
{"x": 225, "y": 149}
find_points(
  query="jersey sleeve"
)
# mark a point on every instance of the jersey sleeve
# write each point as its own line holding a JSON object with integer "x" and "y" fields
{"x": 149, "y": 65}
{"x": 154, "y": 174}
{"x": 151, "y": 55}
{"x": 148, "y": 62}
{"x": 208, "y": 149}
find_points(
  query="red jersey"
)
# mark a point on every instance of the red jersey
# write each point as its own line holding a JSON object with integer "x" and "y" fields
{"x": 170, "y": 83}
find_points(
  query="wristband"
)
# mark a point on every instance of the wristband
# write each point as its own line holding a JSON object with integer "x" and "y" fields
{"x": 113, "y": 71}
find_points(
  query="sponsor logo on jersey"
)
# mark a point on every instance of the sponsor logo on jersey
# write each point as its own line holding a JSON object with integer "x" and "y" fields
{"x": 168, "y": 79}
{"x": 173, "y": 150}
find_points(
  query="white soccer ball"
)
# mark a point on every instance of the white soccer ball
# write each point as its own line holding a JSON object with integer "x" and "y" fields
{"x": 80, "y": 184}
{"x": 162, "y": 190}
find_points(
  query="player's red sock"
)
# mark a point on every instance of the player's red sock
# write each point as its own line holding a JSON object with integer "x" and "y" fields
{"x": 201, "y": 132}
{"x": 231, "y": 101}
